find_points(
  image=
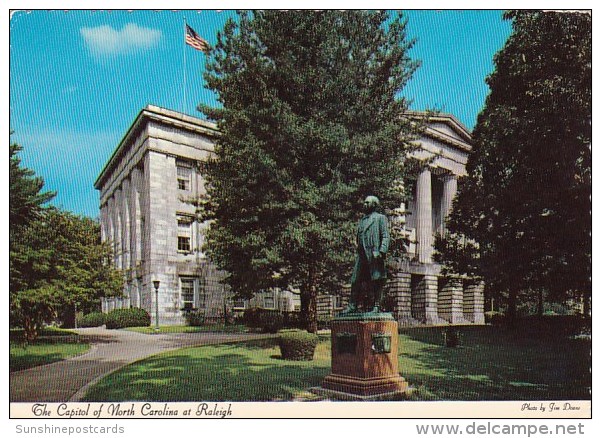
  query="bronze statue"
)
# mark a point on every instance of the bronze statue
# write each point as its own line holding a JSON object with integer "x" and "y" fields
{"x": 369, "y": 273}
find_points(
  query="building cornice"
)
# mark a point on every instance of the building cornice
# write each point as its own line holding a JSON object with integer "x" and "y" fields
{"x": 160, "y": 115}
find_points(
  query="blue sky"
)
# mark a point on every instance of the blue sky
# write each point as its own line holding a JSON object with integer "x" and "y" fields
{"x": 79, "y": 78}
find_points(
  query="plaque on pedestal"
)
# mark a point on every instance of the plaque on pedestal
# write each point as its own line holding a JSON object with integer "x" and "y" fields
{"x": 364, "y": 358}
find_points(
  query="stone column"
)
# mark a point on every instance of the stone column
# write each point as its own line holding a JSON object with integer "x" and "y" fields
{"x": 449, "y": 190}
{"x": 134, "y": 219}
{"x": 114, "y": 230}
{"x": 424, "y": 303}
{"x": 423, "y": 215}
{"x": 125, "y": 223}
{"x": 399, "y": 288}
{"x": 118, "y": 213}
{"x": 473, "y": 304}
{"x": 103, "y": 232}
{"x": 450, "y": 301}
{"x": 325, "y": 306}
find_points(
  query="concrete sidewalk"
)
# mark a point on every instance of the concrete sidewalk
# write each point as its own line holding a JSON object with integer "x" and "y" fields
{"x": 68, "y": 380}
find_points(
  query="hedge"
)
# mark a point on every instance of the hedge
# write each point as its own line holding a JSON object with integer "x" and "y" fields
{"x": 94, "y": 319}
{"x": 270, "y": 320}
{"x": 121, "y": 318}
{"x": 195, "y": 318}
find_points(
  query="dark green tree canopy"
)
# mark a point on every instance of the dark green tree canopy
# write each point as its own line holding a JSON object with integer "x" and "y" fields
{"x": 311, "y": 122}
{"x": 59, "y": 263}
{"x": 57, "y": 260}
{"x": 527, "y": 198}
{"x": 26, "y": 198}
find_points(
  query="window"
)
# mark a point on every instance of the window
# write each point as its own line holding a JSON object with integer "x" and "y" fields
{"x": 183, "y": 243}
{"x": 338, "y": 302}
{"x": 184, "y": 234}
{"x": 268, "y": 300}
{"x": 187, "y": 293}
{"x": 183, "y": 177}
{"x": 184, "y": 225}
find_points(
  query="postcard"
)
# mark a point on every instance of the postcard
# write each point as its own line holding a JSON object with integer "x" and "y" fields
{"x": 315, "y": 214}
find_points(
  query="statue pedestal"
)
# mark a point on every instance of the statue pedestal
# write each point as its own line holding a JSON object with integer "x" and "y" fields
{"x": 364, "y": 358}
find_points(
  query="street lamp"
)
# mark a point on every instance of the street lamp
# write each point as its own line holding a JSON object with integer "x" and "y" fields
{"x": 156, "y": 303}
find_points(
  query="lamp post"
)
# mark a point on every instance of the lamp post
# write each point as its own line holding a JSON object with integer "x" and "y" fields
{"x": 156, "y": 304}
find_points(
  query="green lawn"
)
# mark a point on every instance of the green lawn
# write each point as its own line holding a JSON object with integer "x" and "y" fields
{"x": 51, "y": 346}
{"x": 188, "y": 329}
{"x": 245, "y": 371}
{"x": 495, "y": 363}
{"x": 491, "y": 364}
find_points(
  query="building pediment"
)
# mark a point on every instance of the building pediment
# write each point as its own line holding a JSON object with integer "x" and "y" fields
{"x": 444, "y": 128}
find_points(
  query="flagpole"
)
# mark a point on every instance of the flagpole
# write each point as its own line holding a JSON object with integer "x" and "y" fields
{"x": 184, "y": 45}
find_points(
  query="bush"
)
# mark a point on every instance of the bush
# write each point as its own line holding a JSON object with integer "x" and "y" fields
{"x": 451, "y": 336}
{"x": 324, "y": 323}
{"x": 494, "y": 318}
{"x": 121, "y": 318}
{"x": 297, "y": 344}
{"x": 94, "y": 319}
{"x": 554, "y": 325}
{"x": 195, "y": 318}
{"x": 267, "y": 320}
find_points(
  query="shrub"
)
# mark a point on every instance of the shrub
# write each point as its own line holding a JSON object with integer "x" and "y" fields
{"x": 293, "y": 320}
{"x": 121, "y": 318}
{"x": 494, "y": 318}
{"x": 195, "y": 318}
{"x": 451, "y": 336}
{"x": 271, "y": 322}
{"x": 94, "y": 319}
{"x": 323, "y": 323}
{"x": 267, "y": 320}
{"x": 297, "y": 344}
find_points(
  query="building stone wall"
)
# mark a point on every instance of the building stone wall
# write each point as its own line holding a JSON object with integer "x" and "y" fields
{"x": 145, "y": 211}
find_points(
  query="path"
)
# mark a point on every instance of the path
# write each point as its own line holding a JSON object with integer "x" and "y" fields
{"x": 68, "y": 380}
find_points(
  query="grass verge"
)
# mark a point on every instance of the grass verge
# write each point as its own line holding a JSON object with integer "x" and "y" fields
{"x": 52, "y": 345}
{"x": 244, "y": 371}
{"x": 491, "y": 363}
{"x": 221, "y": 328}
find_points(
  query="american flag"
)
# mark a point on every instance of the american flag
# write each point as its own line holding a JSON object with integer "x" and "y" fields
{"x": 192, "y": 39}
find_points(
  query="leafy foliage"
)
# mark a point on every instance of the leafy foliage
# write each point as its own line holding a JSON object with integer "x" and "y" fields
{"x": 133, "y": 317}
{"x": 26, "y": 198}
{"x": 93, "y": 319}
{"x": 57, "y": 260}
{"x": 26, "y": 203}
{"x": 195, "y": 318}
{"x": 62, "y": 257}
{"x": 297, "y": 345}
{"x": 311, "y": 122}
{"x": 522, "y": 218}
{"x": 270, "y": 320}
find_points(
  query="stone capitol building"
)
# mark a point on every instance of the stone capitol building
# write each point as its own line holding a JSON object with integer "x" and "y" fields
{"x": 146, "y": 189}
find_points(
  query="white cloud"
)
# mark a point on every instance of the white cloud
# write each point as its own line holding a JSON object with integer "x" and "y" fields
{"x": 106, "y": 41}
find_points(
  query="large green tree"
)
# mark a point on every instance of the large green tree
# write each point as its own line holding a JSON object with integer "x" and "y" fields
{"x": 26, "y": 203}
{"x": 311, "y": 122}
{"x": 62, "y": 264}
{"x": 522, "y": 217}
{"x": 57, "y": 260}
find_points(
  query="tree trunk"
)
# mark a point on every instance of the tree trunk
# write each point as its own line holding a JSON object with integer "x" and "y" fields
{"x": 30, "y": 329}
{"x": 511, "y": 307}
{"x": 541, "y": 303}
{"x": 312, "y": 311}
{"x": 586, "y": 305}
{"x": 309, "y": 304}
